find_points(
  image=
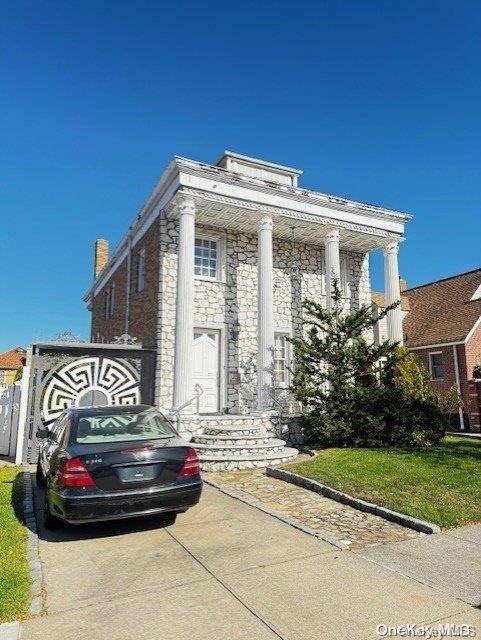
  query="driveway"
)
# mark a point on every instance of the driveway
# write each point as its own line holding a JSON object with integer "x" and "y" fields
{"x": 224, "y": 571}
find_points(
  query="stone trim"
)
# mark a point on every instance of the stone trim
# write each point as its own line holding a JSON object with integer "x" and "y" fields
{"x": 32, "y": 546}
{"x": 393, "y": 516}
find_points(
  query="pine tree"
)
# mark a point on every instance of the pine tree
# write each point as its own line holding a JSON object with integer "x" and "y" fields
{"x": 345, "y": 381}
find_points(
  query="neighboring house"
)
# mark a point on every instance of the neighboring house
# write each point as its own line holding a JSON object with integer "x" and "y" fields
{"x": 443, "y": 326}
{"x": 10, "y": 362}
{"x": 212, "y": 274}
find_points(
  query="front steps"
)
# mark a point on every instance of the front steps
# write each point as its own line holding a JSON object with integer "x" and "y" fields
{"x": 225, "y": 443}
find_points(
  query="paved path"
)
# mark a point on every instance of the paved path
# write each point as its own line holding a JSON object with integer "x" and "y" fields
{"x": 355, "y": 528}
{"x": 450, "y": 562}
{"x": 224, "y": 571}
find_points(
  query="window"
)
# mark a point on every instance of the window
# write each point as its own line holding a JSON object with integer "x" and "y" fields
{"x": 122, "y": 426}
{"x": 141, "y": 270}
{"x": 206, "y": 258}
{"x": 436, "y": 365}
{"x": 281, "y": 359}
{"x": 109, "y": 302}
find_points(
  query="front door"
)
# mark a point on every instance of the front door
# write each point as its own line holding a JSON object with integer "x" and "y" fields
{"x": 206, "y": 368}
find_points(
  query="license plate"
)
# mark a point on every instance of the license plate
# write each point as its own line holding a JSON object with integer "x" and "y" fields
{"x": 139, "y": 473}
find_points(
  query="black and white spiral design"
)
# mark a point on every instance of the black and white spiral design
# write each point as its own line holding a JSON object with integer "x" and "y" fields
{"x": 84, "y": 381}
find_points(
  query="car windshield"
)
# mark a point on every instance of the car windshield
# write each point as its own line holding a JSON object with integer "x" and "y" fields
{"x": 122, "y": 427}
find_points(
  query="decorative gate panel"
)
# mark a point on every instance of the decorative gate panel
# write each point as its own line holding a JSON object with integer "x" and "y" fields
{"x": 65, "y": 375}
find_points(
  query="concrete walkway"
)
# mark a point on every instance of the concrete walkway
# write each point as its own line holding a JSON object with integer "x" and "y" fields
{"x": 224, "y": 571}
{"x": 449, "y": 562}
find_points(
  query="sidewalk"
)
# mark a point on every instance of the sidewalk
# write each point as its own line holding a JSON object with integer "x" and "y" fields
{"x": 449, "y": 562}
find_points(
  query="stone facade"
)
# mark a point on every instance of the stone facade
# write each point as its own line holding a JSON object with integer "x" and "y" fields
{"x": 229, "y": 304}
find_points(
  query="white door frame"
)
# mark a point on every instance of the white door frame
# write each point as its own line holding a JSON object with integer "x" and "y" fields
{"x": 221, "y": 330}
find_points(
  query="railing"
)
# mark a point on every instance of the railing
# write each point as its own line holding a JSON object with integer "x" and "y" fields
{"x": 174, "y": 415}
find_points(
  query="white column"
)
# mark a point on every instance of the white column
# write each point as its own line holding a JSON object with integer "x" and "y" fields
{"x": 184, "y": 307}
{"x": 393, "y": 293}
{"x": 333, "y": 265}
{"x": 265, "y": 315}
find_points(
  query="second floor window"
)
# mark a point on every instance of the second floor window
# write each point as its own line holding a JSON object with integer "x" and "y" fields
{"x": 436, "y": 366}
{"x": 141, "y": 270}
{"x": 109, "y": 301}
{"x": 206, "y": 258}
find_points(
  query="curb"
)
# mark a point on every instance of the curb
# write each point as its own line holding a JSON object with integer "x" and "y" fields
{"x": 368, "y": 507}
{"x": 238, "y": 495}
{"x": 32, "y": 547}
{"x": 10, "y": 630}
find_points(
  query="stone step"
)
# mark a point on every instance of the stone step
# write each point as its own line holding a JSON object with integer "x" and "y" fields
{"x": 223, "y": 430}
{"x": 222, "y": 463}
{"x": 250, "y": 440}
{"x": 235, "y": 450}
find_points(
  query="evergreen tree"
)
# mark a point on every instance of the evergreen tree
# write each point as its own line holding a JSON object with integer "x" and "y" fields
{"x": 349, "y": 385}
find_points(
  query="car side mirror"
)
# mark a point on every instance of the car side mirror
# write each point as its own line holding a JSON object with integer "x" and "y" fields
{"x": 43, "y": 432}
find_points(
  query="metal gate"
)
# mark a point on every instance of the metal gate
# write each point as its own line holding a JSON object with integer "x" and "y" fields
{"x": 62, "y": 375}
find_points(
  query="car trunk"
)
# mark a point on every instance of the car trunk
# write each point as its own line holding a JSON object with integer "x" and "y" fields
{"x": 127, "y": 466}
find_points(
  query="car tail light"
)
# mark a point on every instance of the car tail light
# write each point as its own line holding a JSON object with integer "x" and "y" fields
{"x": 191, "y": 466}
{"x": 75, "y": 474}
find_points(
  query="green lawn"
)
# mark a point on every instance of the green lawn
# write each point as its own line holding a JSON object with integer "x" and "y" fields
{"x": 14, "y": 571}
{"x": 440, "y": 484}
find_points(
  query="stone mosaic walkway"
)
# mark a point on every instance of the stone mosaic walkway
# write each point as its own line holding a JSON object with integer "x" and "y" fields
{"x": 356, "y": 529}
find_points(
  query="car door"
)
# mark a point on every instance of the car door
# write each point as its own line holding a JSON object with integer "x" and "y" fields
{"x": 52, "y": 442}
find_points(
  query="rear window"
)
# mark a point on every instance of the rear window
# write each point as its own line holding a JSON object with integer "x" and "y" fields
{"x": 122, "y": 427}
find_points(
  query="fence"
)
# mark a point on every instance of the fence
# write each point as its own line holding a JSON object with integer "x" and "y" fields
{"x": 9, "y": 411}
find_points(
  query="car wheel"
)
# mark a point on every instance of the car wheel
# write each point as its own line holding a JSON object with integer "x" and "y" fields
{"x": 39, "y": 479}
{"x": 49, "y": 521}
{"x": 168, "y": 519}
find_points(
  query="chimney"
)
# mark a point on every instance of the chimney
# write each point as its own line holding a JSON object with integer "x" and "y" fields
{"x": 101, "y": 255}
{"x": 402, "y": 285}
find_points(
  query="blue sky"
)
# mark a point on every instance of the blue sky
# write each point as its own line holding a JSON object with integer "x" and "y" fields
{"x": 374, "y": 100}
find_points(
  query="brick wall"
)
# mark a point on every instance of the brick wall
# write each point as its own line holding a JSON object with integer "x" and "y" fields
{"x": 143, "y": 305}
{"x": 104, "y": 329}
{"x": 449, "y": 380}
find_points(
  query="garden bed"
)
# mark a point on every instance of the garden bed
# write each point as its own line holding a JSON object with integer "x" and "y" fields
{"x": 440, "y": 484}
{"x": 14, "y": 569}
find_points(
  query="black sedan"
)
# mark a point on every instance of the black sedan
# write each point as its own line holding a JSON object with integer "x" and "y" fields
{"x": 107, "y": 463}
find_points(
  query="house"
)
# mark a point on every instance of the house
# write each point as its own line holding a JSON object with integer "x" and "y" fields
{"x": 212, "y": 274}
{"x": 10, "y": 362}
{"x": 443, "y": 326}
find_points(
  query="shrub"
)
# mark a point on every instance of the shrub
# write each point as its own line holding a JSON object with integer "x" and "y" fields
{"x": 357, "y": 393}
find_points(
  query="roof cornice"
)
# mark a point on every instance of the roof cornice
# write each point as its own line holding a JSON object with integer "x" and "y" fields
{"x": 293, "y": 193}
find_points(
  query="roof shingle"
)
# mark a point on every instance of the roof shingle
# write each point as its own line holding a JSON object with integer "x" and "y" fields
{"x": 442, "y": 311}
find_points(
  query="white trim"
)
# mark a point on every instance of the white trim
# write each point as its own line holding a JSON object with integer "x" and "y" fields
{"x": 220, "y": 239}
{"x": 458, "y": 385}
{"x": 287, "y": 332}
{"x": 435, "y": 353}
{"x": 434, "y": 346}
{"x": 293, "y": 200}
{"x": 477, "y": 294}
{"x": 473, "y": 329}
{"x": 257, "y": 161}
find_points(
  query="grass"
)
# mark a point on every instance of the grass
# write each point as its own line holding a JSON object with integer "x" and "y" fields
{"x": 14, "y": 570}
{"x": 440, "y": 484}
